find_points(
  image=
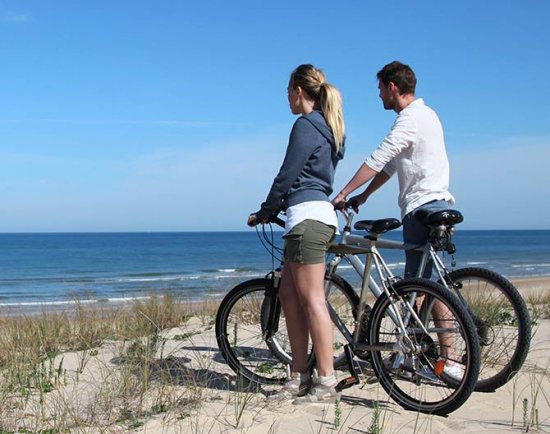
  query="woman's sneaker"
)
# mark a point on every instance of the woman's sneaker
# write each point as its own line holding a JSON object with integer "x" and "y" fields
{"x": 321, "y": 392}
{"x": 292, "y": 388}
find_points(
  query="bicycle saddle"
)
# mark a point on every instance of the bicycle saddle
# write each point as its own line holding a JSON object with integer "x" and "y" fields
{"x": 377, "y": 226}
{"x": 446, "y": 217}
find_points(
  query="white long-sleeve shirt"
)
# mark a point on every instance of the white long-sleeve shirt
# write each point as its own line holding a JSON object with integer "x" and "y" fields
{"x": 415, "y": 149}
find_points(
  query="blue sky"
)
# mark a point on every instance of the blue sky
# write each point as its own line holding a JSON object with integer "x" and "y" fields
{"x": 172, "y": 115}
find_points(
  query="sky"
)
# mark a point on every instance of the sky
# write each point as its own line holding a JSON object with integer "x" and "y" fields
{"x": 135, "y": 115}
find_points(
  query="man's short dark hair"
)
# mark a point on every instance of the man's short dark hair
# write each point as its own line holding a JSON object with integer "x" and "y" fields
{"x": 399, "y": 74}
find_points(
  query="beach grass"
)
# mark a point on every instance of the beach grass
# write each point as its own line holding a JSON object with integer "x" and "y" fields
{"x": 33, "y": 363}
{"x": 154, "y": 363}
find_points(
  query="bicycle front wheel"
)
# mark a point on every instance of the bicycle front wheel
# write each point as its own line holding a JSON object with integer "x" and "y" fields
{"x": 239, "y": 333}
{"x": 502, "y": 320}
{"x": 431, "y": 365}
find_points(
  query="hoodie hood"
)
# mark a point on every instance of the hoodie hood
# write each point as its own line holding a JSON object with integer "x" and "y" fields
{"x": 307, "y": 172}
{"x": 317, "y": 119}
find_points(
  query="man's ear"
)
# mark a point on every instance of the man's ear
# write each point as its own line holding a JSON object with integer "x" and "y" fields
{"x": 392, "y": 87}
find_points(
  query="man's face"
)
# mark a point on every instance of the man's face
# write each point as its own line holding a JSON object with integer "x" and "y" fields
{"x": 386, "y": 95}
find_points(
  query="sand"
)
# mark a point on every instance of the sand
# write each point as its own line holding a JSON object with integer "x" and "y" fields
{"x": 200, "y": 379}
{"x": 501, "y": 411}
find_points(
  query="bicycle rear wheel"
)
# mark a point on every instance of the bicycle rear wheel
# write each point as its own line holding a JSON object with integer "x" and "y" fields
{"x": 437, "y": 364}
{"x": 502, "y": 321}
{"x": 342, "y": 299}
{"x": 240, "y": 338}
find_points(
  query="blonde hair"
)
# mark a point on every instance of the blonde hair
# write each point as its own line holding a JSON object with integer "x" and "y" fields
{"x": 327, "y": 98}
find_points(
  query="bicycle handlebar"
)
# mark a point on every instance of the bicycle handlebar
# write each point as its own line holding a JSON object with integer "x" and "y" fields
{"x": 345, "y": 211}
{"x": 275, "y": 219}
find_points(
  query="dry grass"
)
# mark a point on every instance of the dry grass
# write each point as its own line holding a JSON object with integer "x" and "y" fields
{"x": 112, "y": 369}
{"x": 539, "y": 305}
{"x": 118, "y": 370}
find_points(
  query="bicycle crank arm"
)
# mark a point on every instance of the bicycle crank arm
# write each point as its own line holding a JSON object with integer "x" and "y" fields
{"x": 354, "y": 378}
{"x": 346, "y": 382}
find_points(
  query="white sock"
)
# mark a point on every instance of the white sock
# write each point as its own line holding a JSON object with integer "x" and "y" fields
{"x": 328, "y": 381}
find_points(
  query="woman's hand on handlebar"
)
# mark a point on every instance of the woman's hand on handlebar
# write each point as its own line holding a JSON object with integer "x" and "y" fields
{"x": 252, "y": 220}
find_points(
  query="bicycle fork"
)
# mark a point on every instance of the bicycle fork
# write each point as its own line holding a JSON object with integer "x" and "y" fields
{"x": 270, "y": 325}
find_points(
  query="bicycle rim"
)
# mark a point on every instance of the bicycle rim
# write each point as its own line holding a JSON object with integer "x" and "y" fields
{"x": 441, "y": 336}
{"x": 239, "y": 335}
{"x": 502, "y": 321}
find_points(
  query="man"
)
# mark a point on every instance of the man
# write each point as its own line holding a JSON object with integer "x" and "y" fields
{"x": 415, "y": 149}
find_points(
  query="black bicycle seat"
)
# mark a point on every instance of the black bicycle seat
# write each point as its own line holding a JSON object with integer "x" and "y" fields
{"x": 445, "y": 217}
{"x": 377, "y": 226}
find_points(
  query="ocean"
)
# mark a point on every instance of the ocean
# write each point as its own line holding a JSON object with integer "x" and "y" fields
{"x": 50, "y": 269}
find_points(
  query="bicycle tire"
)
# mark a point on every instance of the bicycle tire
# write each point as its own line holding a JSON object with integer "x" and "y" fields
{"x": 342, "y": 298}
{"x": 409, "y": 376}
{"x": 502, "y": 320}
{"x": 240, "y": 337}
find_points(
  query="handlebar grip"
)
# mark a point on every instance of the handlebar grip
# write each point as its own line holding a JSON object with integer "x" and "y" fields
{"x": 276, "y": 220}
{"x": 351, "y": 204}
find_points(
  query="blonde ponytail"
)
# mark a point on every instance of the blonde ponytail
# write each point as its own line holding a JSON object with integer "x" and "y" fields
{"x": 327, "y": 98}
{"x": 330, "y": 101}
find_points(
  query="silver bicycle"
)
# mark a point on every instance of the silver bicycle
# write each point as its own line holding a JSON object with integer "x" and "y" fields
{"x": 415, "y": 331}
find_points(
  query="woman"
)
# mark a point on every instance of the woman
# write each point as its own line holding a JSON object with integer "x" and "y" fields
{"x": 303, "y": 186}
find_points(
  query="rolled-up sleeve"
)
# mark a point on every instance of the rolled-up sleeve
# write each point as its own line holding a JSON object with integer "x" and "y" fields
{"x": 389, "y": 169}
{"x": 401, "y": 136}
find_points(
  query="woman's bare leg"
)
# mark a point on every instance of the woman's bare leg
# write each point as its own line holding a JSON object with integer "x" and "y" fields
{"x": 308, "y": 282}
{"x": 296, "y": 322}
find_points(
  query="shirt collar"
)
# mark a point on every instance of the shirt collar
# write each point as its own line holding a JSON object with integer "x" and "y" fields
{"x": 416, "y": 102}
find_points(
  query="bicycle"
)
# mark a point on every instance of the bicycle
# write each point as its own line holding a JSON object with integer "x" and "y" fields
{"x": 499, "y": 312}
{"x": 400, "y": 333}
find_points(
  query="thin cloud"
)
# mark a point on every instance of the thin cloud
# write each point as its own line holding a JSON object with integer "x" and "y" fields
{"x": 155, "y": 122}
{"x": 15, "y": 17}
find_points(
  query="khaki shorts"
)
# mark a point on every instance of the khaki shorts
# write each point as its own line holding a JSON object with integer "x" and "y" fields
{"x": 307, "y": 242}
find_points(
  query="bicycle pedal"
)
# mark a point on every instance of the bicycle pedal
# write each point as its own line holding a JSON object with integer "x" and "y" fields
{"x": 347, "y": 382}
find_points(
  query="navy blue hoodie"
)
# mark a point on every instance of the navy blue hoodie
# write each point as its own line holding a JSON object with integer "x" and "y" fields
{"x": 307, "y": 172}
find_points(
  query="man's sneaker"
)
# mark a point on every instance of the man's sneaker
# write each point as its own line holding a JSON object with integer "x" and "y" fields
{"x": 454, "y": 371}
{"x": 292, "y": 388}
{"x": 319, "y": 394}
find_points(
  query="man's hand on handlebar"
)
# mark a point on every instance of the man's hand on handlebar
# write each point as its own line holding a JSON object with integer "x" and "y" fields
{"x": 340, "y": 202}
{"x": 355, "y": 202}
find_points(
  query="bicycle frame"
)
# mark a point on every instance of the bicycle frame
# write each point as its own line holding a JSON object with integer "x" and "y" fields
{"x": 349, "y": 247}
{"x": 347, "y": 238}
